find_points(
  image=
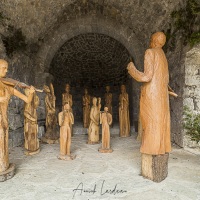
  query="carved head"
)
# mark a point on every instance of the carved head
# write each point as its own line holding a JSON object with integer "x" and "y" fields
{"x": 3, "y": 68}
{"x": 46, "y": 89}
{"x": 67, "y": 88}
{"x": 158, "y": 39}
{"x": 86, "y": 91}
{"x": 94, "y": 101}
{"x": 107, "y": 88}
{"x": 123, "y": 88}
{"x": 106, "y": 109}
{"x": 66, "y": 106}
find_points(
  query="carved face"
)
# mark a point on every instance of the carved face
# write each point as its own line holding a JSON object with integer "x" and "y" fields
{"x": 94, "y": 101}
{"x": 3, "y": 68}
{"x": 107, "y": 88}
{"x": 158, "y": 39}
{"x": 106, "y": 109}
{"x": 66, "y": 106}
{"x": 86, "y": 91}
{"x": 67, "y": 88}
{"x": 123, "y": 88}
{"x": 46, "y": 89}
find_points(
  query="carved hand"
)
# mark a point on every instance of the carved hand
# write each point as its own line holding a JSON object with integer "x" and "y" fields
{"x": 32, "y": 90}
{"x": 131, "y": 66}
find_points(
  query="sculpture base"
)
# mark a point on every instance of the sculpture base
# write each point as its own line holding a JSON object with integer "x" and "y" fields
{"x": 105, "y": 150}
{"x": 30, "y": 153}
{"x": 8, "y": 174}
{"x": 155, "y": 167}
{"x": 50, "y": 141}
{"x": 66, "y": 157}
{"x": 90, "y": 142}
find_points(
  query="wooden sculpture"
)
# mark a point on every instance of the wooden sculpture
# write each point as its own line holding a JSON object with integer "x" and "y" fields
{"x": 108, "y": 99}
{"x": 106, "y": 121}
{"x": 154, "y": 109}
{"x": 6, "y": 90}
{"x": 67, "y": 97}
{"x": 86, "y": 109}
{"x": 31, "y": 143}
{"x": 51, "y": 135}
{"x": 93, "y": 132}
{"x": 65, "y": 119}
{"x": 124, "y": 120}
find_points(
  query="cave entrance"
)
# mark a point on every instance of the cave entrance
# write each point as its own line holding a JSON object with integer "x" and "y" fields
{"x": 91, "y": 61}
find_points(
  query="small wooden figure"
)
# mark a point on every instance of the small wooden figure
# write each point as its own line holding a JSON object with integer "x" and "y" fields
{"x": 124, "y": 120}
{"x": 51, "y": 135}
{"x": 66, "y": 119}
{"x": 106, "y": 121}
{"x": 86, "y": 109}
{"x": 30, "y": 125}
{"x": 93, "y": 132}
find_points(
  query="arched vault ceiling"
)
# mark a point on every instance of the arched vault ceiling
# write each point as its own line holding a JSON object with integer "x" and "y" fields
{"x": 92, "y": 60}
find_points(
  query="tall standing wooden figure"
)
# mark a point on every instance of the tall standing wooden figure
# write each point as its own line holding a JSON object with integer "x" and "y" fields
{"x": 108, "y": 99}
{"x": 31, "y": 143}
{"x": 65, "y": 119}
{"x": 6, "y": 91}
{"x": 93, "y": 132}
{"x": 67, "y": 98}
{"x": 86, "y": 109}
{"x": 124, "y": 119}
{"x": 106, "y": 121}
{"x": 154, "y": 109}
{"x": 52, "y": 134}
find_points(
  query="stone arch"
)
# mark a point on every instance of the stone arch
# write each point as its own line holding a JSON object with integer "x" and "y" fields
{"x": 87, "y": 25}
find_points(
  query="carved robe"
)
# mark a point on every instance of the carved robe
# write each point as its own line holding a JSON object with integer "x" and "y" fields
{"x": 124, "y": 119}
{"x": 4, "y": 160}
{"x": 93, "y": 132}
{"x": 30, "y": 125}
{"x": 66, "y": 119}
{"x": 108, "y": 102}
{"x": 154, "y": 103}
{"x": 51, "y": 119}
{"x": 106, "y": 121}
{"x": 86, "y": 111}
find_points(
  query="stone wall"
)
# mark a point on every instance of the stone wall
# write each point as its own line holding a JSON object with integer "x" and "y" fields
{"x": 192, "y": 87}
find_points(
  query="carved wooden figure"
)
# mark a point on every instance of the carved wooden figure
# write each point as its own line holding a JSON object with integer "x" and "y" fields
{"x": 124, "y": 119}
{"x": 31, "y": 143}
{"x": 154, "y": 109}
{"x": 86, "y": 109}
{"x": 66, "y": 119}
{"x": 51, "y": 135}
{"x": 7, "y": 170}
{"x": 108, "y": 99}
{"x": 67, "y": 97}
{"x": 93, "y": 132}
{"x": 106, "y": 121}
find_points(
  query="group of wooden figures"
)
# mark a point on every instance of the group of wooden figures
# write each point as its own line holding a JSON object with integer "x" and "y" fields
{"x": 154, "y": 115}
{"x": 92, "y": 117}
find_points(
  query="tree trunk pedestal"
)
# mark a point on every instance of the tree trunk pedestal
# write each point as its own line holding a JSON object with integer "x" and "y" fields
{"x": 8, "y": 174}
{"x": 155, "y": 167}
